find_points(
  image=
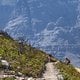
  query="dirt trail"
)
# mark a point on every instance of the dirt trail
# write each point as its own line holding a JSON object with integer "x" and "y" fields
{"x": 52, "y": 73}
{"x": 78, "y": 69}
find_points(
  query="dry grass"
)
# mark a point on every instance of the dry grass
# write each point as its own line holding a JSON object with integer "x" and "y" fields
{"x": 68, "y": 71}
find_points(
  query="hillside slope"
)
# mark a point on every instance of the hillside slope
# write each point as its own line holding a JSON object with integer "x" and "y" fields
{"x": 30, "y": 62}
{"x": 68, "y": 71}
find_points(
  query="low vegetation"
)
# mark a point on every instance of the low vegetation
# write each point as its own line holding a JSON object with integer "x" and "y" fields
{"x": 7, "y": 78}
{"x": 30, "y": 63}
{"x": 68, "y": 71}
{"x": 28, "y": 60}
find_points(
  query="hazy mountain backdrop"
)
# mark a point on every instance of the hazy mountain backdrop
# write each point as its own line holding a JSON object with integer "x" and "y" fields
{"x": 51, "y": 25}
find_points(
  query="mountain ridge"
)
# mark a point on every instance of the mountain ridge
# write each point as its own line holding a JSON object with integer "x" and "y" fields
{"x": 62, "y": 17}
{"x": 31, "y": 62}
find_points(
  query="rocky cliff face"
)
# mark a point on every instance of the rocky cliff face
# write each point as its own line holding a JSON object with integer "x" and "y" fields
{"x": 20, "y": 20}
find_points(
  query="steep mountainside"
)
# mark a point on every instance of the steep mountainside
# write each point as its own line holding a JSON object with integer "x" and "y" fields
{"x": 56, "y": 21}
{"x": 30, "y": 62}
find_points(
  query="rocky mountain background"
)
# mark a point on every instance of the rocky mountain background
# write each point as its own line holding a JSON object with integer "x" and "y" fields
{"x": 51, "y": 25}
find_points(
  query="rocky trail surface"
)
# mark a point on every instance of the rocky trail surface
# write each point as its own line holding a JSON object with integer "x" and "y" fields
{"x": 51, "y": 73}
